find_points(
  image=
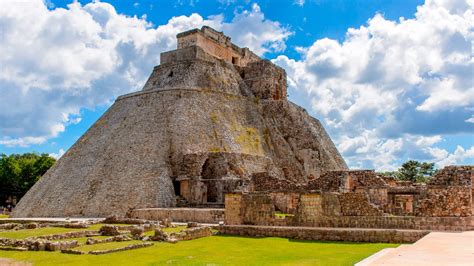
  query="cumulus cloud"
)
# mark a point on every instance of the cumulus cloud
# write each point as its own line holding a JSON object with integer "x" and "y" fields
{"x": 57, "y": 155}
{"x": 390, "y": 84}
{"x": 459, "y": 156}
{"x": 250, "y": 29}
{"x": 57, "y": 61}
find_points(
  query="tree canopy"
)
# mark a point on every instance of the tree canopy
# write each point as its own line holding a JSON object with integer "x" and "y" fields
{"x": 414, "y": 171}
{"x": 19, "y": 172}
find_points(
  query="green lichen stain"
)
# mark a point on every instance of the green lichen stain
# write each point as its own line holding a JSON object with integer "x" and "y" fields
{"x": 214, "y": 117}
{"x": 249, "y": 139}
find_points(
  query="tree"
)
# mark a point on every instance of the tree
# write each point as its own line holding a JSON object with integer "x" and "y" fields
{"x": 415, "y": 171}
{"x": 19, "y": 172}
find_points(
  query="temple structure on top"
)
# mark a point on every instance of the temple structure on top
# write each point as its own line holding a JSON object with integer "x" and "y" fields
{"x": 206, "y": 51}
{"x": 215, "y": 44}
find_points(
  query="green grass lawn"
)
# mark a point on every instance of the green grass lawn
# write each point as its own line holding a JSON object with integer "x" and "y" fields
{"x": 215, "y": 250}
{"x": 20, "y": 234}
{"x": 109, "y": 245}
{"x": 3, "y": 216}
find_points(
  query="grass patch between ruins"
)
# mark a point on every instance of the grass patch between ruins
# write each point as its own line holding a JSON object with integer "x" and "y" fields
{"x": 4, "y": 216}
{"x": 105, "y": 246}
{"x": 216, "y": 250}
{"x": 24, "y": 233}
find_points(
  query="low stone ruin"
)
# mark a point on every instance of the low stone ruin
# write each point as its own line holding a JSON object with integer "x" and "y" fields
{"x": 135, "y": 230}
{"x": 36, "y": 244}
{"x": 129, "y": 247}
{"x": 360, "y": 198}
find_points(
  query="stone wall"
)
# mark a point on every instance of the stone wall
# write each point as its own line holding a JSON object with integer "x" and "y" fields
{"x": 350, "y": 209}
{"x": 442, "y": 201}
{"x": 346, "y": 180}
{"x": 400, "y": 222}
{"x": 257, "y": 209}
{"x": 233, "y": 208}
{"x": 216, "y": 44}
{"x": 309, "y": 209}
{"x": 266, "y": 80}
{"x": 285, "y": 202}
{"x": 192, "y": 233}
{"x": 454, "y": 176}
{"x": 357, "y": 204}
{"x": 327, "y": 234}
{"x": 186, "y": 54}
{"x": 264, "y": 181}
{"x": 200, "y": 215}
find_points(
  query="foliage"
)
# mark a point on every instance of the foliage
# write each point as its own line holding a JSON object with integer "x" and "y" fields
{"x": 413, "y": 171}
{"x": 19, "y": 172}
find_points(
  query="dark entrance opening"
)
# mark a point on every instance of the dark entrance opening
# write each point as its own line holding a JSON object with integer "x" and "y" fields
{"x": 235, "y": 60}
{"x": 212, "y": 169}
{"x": 212, "y": 191}
{"x": 177, "y": 187}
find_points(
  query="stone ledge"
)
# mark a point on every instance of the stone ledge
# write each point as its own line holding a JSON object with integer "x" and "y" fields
{"x": 199, "y": 215}
{"x": 326, "y": 233}
{"x": 171, "y": 89}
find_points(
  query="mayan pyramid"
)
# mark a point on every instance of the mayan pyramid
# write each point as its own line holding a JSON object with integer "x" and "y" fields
{"x": 210, "y": 117}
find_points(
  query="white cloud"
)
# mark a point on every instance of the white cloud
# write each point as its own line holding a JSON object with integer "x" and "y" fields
{"x": 250, "y": 29}
{"x": 57, "y": 155}
{"x": 470, "y": 120}
{"x": 22, "y": 142}
{"x": 299, "y": 2}
{"x": 56, "y": 62}
{"x": 391, "y": 84}
{"x": 458, "y": 157}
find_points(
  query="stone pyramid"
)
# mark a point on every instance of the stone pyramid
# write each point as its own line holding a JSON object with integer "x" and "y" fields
{"x": 210, "y": 117}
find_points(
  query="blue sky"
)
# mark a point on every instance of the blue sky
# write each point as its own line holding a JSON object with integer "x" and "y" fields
{"x": 390, "y": 80}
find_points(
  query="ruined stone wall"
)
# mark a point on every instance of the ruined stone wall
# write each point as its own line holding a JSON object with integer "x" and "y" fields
{"x": 445, "y": 201}
{"x": 198, "y": 74}
{"x": 327, "y": 234}
{"x": 186, "y": 54}
{"x": 285, "y": 202}
{"x": 258, "y": 209}
{"x": 346, "y": 180}
{"x": 400, "y": 222}
{"x": 220, "y": 164}
{"x": 266, "y": 80}
{"x": 199, "y": 215}
{"x": 331, "y": 205}
{"x": 265, "y": 182}
{"x": 379, "y": 197}
{"x": 357, "y": 204}
{"x": 309, "y": 209}
{"x": 334, "y": 209}
{"x": 453, "y": 176}
{"x": 233, "y": 208}
{"x": 216, "y": 44}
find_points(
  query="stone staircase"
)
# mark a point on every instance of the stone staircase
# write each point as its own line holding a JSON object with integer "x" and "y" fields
{"x": 181, "y": 202}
